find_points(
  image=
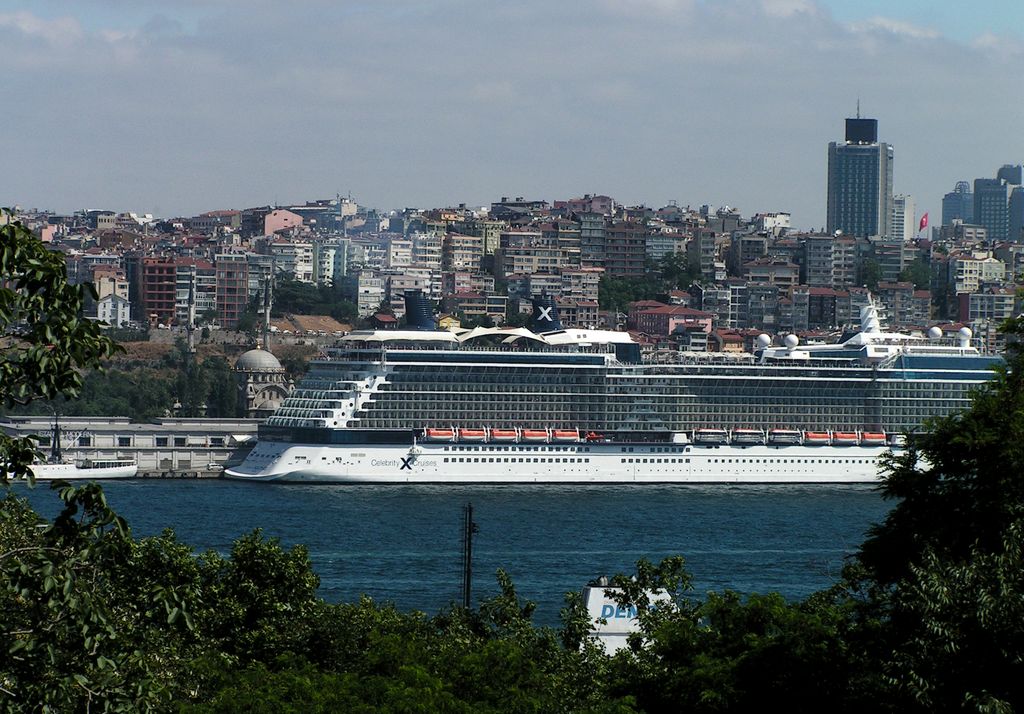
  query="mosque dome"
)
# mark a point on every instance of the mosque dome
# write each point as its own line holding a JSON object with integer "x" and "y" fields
{"x": 258, "y": 361}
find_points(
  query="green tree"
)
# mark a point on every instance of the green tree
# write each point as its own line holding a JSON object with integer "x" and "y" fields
{"x": 678, "y": 271}
{"x": 870, "y": 273}
{"x": 47, "y": 343}
{"x": 221, "y": 394}
{"x": 92, "y": 618}
{"x": 919, "y": 273}
{"x": 942, "y": 571}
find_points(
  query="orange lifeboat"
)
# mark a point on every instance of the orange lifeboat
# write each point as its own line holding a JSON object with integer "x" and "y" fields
{"x": 535, "y": 434}
{"x": 845, "y": 438}
{"x": 472, "y": 434}
{"x": 504, "y": 435}
{"x": 439, "y": 434}
{"x": 565, "y": 434}
{"x": 817, "y": 438}
{"x": 873, "y": 438}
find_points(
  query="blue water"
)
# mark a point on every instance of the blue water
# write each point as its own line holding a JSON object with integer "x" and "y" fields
{"x": 403, "y": 543}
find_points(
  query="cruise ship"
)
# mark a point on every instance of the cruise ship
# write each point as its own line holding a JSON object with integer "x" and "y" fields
{"x": 545, "y": 404}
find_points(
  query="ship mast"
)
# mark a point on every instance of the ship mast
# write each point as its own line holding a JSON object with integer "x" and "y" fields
{"x": 55, "y": 449}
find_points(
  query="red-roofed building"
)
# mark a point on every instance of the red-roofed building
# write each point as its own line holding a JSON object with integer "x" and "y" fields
{"x": 670, "y": 319}
{"x": 383, "y": 321}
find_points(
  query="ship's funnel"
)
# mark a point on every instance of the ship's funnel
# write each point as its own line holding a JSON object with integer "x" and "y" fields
{"x": 419, "y": 313}
{"x": 545, "y": 315}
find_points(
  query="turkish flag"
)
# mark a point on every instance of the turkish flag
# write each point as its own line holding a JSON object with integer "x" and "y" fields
{"x": 924, "y": 222}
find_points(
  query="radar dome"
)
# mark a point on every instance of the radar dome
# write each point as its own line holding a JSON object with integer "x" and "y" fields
{"x": 763, "y": 340}
{"x": 966, "y": 333}
{"x": 792, "y": 341}
{"x": 934, "y": 332}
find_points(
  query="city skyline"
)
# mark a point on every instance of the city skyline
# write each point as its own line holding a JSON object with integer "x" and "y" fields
{"x": 176, "y": 109}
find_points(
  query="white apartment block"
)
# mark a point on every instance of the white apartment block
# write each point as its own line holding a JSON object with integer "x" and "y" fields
{"x": 113, "y": 310}
{"x": 292, "y": 256}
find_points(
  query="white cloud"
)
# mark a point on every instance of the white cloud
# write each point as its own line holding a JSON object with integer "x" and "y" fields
{"x": 895, "y": 27}
{"x": 60, "y": 31}
{"x": 731, "y": 101}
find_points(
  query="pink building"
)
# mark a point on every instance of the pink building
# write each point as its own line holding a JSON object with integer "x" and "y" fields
{"x": 280, "y": 219}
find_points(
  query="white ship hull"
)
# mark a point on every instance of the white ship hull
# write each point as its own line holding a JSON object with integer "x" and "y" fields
{"x": 74, "y": 472}
{"x": 612, "y": 463}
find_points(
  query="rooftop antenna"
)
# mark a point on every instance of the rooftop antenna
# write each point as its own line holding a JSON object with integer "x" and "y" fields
{"x": 858, "y": 107}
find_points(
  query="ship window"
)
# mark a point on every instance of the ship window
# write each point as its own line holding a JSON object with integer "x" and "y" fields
{"x": 85, "y": 440}
{"x": 124, "y": 441}
{"x": 645, "y": 461}
{"x": 476, "y": 460}
{"x": 631, "y": 449}
{"x": 179, "y": 441}
{"x": 446, "y": 459}
{"x": 622, "y": 461}
{"x": 623, "y": 449}
{"x": 687, "y": 461}
{"x": 161, "y": 441}
{"x": 587, "y": 460}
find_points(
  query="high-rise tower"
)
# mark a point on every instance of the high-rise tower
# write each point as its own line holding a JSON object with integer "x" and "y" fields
{"x": 860, "y": 199}
{"x": 958, "y": 204}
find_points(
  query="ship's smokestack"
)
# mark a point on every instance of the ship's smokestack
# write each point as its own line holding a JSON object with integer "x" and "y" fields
{"x": 545, "y": 315}
{"x": 419, "y": 313}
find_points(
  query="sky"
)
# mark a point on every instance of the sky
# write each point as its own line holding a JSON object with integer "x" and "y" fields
{"x": 179, "y": 107}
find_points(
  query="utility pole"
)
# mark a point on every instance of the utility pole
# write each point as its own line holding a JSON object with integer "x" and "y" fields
{"x": 468, "y": 529}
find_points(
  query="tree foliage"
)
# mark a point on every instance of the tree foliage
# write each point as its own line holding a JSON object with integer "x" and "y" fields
{"x": 300, "y": 298}
{"x": 942, "y": 571}
{"x": 673, "y": 272}
{"x": 46, "y": 341}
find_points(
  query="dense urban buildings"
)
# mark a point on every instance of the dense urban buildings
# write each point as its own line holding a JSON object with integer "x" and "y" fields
{"x": 696, "y": 278}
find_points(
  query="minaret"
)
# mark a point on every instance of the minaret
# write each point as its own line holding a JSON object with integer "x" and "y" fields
{"x": 190, "y": 328}
{"x": 266, "y": 313}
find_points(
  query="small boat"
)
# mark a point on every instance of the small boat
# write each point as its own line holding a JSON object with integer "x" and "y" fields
{"x": 873, "y": 438}
{"x": 439, "y": 434}
{"x": 58, "y": 468}
{"x": 535, "y": 434}
{"x": 747, "y": 436}
{"x": 504, "y": 435}
{"x": 86, "y": 470}
{"x": 817, "y": 438}
{"x": 845, "y": 438}
{"x": 711, "y": 436}
{"x": 472, "y": 434}
{"x": 565, "y": 435}
{"x": 784, "y": 436}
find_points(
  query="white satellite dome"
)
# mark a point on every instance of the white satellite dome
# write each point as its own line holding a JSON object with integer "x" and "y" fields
{"x": 763, "y": 340}
{"x": 966, "y": 333}
{"x": 934, "y": 332}
{"x": 792, "y": 341}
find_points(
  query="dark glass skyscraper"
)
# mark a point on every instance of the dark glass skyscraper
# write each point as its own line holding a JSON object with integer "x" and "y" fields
{"x": 958, "y": 204}
{"x": 860, "y": 182}
{"x": 992, "y": 207}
